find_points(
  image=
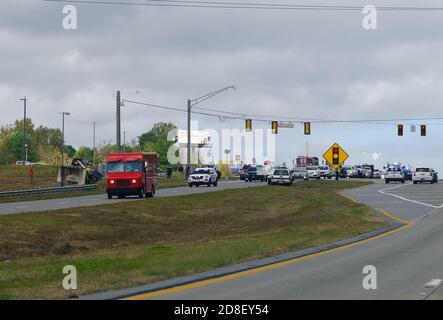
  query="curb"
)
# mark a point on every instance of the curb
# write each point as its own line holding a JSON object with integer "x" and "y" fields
{"x": 233, "y": 269}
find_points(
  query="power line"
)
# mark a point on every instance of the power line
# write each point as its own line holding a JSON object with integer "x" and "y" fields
{"x": 227, "y": 115}
{"x": 244, "y": 5}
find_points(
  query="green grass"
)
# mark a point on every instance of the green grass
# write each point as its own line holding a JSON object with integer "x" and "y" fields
{"x": 128, "y": 244}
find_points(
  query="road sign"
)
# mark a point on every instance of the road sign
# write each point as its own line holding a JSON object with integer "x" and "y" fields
{"x": 335, "y": 156}
{"x": 289, "y": 125}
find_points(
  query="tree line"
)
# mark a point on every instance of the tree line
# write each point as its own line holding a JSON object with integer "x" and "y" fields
{"x": 45, "y": 145}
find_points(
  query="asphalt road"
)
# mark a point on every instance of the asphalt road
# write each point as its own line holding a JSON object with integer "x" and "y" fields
{"x": 409, "y": 262}
{"x": 98, "y": 199}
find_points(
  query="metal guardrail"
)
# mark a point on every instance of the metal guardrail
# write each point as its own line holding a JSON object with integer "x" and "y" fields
{"x": 46, "y": 190}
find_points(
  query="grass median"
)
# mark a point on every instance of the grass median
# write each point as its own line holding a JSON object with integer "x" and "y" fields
{"x": 132, "y": 243}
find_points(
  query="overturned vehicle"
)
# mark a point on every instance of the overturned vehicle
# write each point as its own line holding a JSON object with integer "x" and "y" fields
{"x": 80, "y": 172}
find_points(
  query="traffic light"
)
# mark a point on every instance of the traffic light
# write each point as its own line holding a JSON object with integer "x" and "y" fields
{"x": 307, "y": 126}
{"x": 335, "y": 156}
{"x": 423, "y": 130}
{"x": 400, "y": 130}
{"x": 248, "y": 125}
{"x": 274, "y": 127}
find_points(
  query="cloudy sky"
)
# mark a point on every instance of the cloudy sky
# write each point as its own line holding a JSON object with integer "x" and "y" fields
{"x": 307, "y": 64}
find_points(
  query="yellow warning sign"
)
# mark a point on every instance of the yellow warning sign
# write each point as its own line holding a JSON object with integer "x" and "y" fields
{"x": 335, "y": 156}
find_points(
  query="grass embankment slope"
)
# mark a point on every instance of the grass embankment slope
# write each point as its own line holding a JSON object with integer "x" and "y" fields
{"x": 133, "y": 243}
{"x": 21, "y": 182}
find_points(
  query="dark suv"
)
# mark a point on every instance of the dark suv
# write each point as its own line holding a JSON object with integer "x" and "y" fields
{"x": 244, "y": 172}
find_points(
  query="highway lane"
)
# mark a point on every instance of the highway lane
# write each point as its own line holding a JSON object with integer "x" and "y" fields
{"x": 409, "y": 264}
{"x": 99, "y": 199}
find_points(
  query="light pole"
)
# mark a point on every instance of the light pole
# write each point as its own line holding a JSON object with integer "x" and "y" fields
{"x": 24, "y": 129}
{"x": 63, "y": 135}
{"x": 26, "y": 153}
{"x": 192, "y": 103}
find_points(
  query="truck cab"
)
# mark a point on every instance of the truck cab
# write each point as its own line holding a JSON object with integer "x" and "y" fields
{"x": 132, "y": 173}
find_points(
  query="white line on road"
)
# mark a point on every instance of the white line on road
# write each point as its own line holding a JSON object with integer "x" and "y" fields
{"x": 383, "y": 191}
{"x": 433, "y": 283}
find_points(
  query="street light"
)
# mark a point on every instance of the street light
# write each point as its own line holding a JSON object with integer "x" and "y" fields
{"x": 192, "y": 103}
{"x": 26, "y": 153}
{"x": 24, "y": 129}
{"x": 63, "y": 135}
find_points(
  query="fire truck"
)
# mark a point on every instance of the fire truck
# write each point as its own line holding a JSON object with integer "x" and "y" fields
{"x": 132, "y": 173}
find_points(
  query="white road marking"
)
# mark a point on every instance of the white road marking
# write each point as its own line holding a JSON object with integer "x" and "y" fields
{"x": 433, "y": 283}
{"x": 64, "y": 202}
{"x": 383, "y": 191}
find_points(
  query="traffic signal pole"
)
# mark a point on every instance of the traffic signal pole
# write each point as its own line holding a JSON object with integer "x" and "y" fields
{"x": 188, "y": 156}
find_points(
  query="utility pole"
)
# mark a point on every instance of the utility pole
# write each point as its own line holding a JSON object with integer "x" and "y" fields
{"x": 24, "y": 130}
{"x": 193, "y": 103}
{"x": 63, "y": 135}
{"x": 118, "y": 104}
{"x": 188, "y": 167}
{"x": 124, "y": 141}
{"x": 93, "y": 143}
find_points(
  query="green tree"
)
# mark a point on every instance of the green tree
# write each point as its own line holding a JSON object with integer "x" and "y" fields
{"x": 84, "y": 153}
{"x": 156, "y": 140}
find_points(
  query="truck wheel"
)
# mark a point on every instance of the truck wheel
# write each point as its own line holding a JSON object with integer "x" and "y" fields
{"x": 120, "y": 196}
{"x": 190, "y": 185}
{"x": 151, "y": 194}
{"x": 215, "y": 183}
{"x": 141, "y": 193}
{"x": 109, "y": 196}
{"x": 415, "y": 182}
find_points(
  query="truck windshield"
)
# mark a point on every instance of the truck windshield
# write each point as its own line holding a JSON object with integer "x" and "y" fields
{"x": 116, "y": 166}
{"x": 129, "y": 166}
{"x": 134, "y": 166}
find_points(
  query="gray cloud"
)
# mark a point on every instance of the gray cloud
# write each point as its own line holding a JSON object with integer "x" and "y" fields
{"x": 306, "y": 64}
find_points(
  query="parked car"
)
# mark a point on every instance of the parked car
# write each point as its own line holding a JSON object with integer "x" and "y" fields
{"x": 435, "y": 175}
{"x": 299, "y": 173}
{"x": 313, "y": 172}
{"x": 256, "y": 173}
{"x": 244, "y": 171}
{"x": 343, "y": 172}
{"x": 325, "y": 172}
{"x": 203, "y": 176}
{"x": 394, "y": 174}
{"x": 280, "y": 176}
{"x": 376, "y": 174}
{"x": 407, "y": 171}
{"x": 161, "y": 173}
{"x": 423, "y": 175}
{"x": 20, "y": 163}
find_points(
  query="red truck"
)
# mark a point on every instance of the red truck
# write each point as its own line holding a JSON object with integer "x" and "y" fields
{"x": 132, "y": 173}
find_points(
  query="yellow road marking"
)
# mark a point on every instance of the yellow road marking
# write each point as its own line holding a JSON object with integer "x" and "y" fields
{"x": 240, "y": 274}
